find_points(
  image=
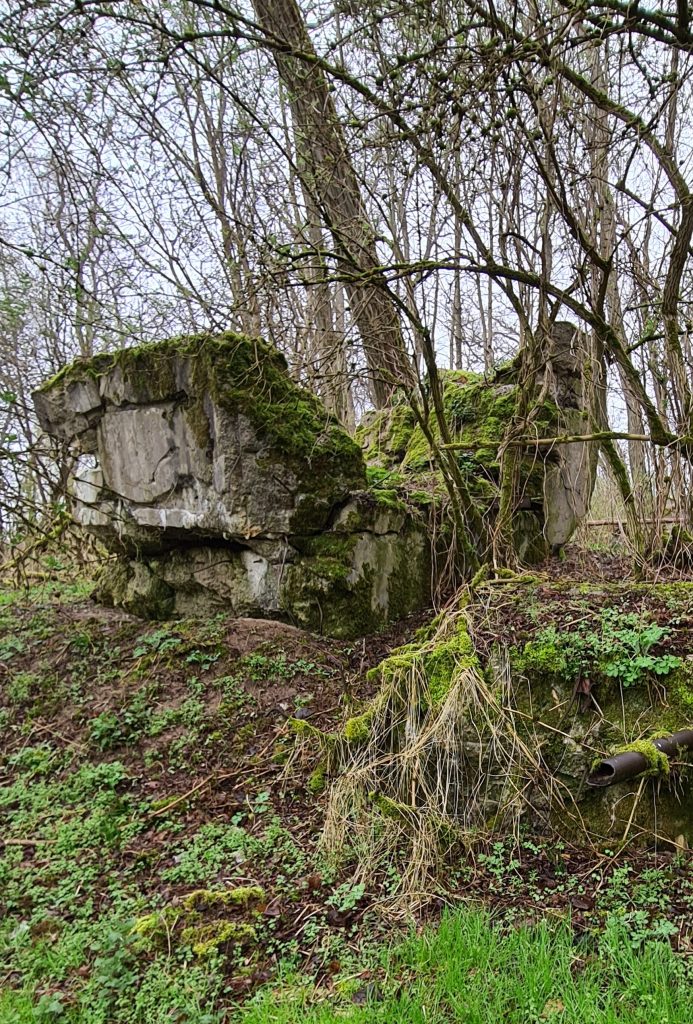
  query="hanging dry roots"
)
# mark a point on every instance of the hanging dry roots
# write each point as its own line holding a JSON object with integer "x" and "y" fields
{"x": 434, "y": 763}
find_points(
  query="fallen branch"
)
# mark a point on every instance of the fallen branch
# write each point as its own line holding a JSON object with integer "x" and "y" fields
{"x": 668, "y": 441}
{"x": 27, "y": 842}
{"x": 214, "y": 777}
{"x": 649, "y": 521}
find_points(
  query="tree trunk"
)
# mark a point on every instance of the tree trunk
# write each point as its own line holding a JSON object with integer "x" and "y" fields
{"x": 326, "y": 169}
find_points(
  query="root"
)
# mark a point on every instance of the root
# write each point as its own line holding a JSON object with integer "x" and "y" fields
{"x": 435, "y": 763}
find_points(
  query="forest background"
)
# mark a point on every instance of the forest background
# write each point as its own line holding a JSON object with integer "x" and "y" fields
{"x": 378, "y": 190}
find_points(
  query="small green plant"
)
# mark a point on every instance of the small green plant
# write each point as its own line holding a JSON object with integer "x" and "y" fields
{"x": 263, "y": 667}
{"x": 82, "y": 643}
{"x": 618, "y": 645}
{"x": 10, "y": 646}
{"x": 106, "y": 731}
{"x": 205, "y": 659}
{"x": 233, "y": 695}
{"x": 211, "y": 849}
{"x": 20, "y": 686}
{"x": 111, "y": 728}
{"x": 262, "y": 802}
{"x": 159, "y": 642}
{"x": 624, "y": 645}
{"x": 35, "y": 761}
{"x": 191, "y": 714}
{"x": 346, "y": 896}
{"x": 501, "y": 864}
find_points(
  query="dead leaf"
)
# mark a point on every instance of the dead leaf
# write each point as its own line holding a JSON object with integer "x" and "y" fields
{"x": 552, "y": 1007}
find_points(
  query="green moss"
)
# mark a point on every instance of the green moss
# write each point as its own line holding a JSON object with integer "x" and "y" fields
{"x": 479, "y": 413}
{"x": 386, "y": 434}
{"x": 326, "y": 595}
{"x": 357, "y": 729}
{"x": 443, "y": 831}
{"x": 136, "y": 588}
{"x": 680, "y": 691}
{"x": 186, "y": 922}
{"x": 205, "y": 939}
{"x": 418, "y": 454}
{"x": 658, "y": 762}
{"x": 394, "y": 809}
{"x": 543, "y": 658}
{"x": 303, "y": 728}
{"x": 391, "y": 500}
{"x": 446, "y": 660}
{"x": 197, "y": 418}
{"x": 213, "y": 899}
{"x": 153, "y": 929}
{"x": 317, "y": 780}
{"x": 80, "y": 370}
{"x": 328, "y": 744}
{"x": 421, "y": 498}
{"x": 332, "y": 551}
{"x": 377, "y": 476}
{"x": 439, "y": 661}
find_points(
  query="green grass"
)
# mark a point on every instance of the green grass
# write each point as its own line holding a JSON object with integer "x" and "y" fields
{"x": 471, "y": 971}
{"x": 467, "y": 970}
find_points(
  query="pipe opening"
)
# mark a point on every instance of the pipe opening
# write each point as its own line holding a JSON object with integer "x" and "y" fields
{"x": 602, "y": 775}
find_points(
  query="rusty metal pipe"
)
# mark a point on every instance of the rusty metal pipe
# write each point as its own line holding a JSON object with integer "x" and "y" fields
{"x": 630, "y": 763}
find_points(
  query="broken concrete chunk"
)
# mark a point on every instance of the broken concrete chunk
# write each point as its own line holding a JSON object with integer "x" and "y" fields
{"x": 214, "y": 473}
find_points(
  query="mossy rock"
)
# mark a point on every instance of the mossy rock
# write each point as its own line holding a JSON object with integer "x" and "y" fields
{"x": 353, "y": 584}
{"x": 207, "y": 921}
{"x": 238, "y": 373}
{"x": 385, "y": 435}
{"x": 242, "y": 896}
{"x": 136, "y": 588}
{"x": 206, "y": 939}
{"x": 478, "y": 412}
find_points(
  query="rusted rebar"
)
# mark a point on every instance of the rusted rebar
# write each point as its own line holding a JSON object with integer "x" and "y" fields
{"x": 630, "y": 763}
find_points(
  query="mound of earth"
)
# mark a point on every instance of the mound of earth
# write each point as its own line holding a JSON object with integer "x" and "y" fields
{"x": 162, "y": 817}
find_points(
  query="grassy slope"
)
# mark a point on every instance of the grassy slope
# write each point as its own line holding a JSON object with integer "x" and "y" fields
{"x": 143, "y": 764}
{"x": 469, "y": 970}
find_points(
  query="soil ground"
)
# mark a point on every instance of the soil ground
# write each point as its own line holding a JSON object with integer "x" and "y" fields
{"x": 147, "y": 766}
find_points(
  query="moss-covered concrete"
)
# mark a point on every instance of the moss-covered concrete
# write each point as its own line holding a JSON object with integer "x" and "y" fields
{"x": 238, "y": 374}
{"x": 573, "y": 706}
{"x": 478, "y": 412}
{"x": 517, "y": 730}
{"x": 222, "y": 483}
{"x": 372, "y": 568}
{"x": 133, "y": 586}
